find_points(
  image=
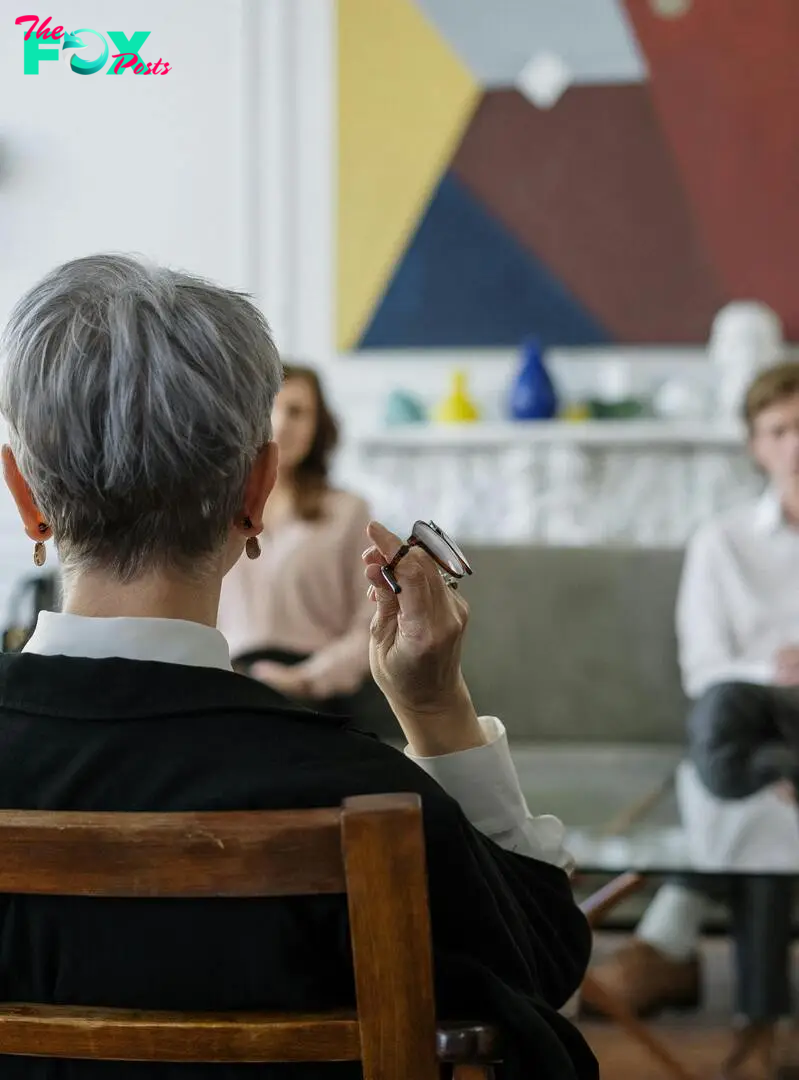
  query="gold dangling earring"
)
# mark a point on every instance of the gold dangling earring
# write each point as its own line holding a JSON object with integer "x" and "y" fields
{"x": 252, "y": 547}
{"x": 39, "y": 550}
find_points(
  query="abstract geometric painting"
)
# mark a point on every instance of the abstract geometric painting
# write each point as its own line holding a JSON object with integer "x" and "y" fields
{"x": 592, "y": 171}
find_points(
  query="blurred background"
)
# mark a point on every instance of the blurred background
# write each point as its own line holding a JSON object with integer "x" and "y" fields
{"x": 428, "y": 194}
{"x": 536, "y": 249}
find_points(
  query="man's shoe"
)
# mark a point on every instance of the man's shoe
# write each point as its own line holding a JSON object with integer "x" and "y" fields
{"x": 646, "y": 981}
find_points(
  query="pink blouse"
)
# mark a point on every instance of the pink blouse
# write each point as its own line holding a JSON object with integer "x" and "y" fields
{"x": 307, "y": 594}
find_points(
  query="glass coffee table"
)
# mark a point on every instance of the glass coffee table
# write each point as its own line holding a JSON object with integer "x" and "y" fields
{"x": 590, "y": 787}
{"x": 644, "y": 848}
{"x": 592, "y": 790}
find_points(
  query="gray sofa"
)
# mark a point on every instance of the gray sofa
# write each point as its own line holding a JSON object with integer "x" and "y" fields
{"x": 574, "y": 648}
{"x": 576, "y": 644}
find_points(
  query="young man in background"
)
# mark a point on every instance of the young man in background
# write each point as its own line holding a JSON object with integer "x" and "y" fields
{"x": 738, "y": 637}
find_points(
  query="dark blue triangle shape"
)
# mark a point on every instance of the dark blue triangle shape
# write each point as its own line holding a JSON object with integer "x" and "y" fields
{"x": 464, "y": 281}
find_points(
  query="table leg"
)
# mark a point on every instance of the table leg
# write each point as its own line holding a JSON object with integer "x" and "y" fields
{"x": 751, "y": 1039}
{"x": 762, "y": 910}
{"x": 602, "y": 1001}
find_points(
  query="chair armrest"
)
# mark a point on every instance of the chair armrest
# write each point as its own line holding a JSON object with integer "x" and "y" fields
{"x": 468, "y": 1043}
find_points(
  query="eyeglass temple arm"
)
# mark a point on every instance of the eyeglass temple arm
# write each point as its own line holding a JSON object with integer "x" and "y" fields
{"x": 388, "y": 570}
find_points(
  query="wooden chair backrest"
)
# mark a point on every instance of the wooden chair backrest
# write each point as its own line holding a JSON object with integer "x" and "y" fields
{"x": 371, "y": 848}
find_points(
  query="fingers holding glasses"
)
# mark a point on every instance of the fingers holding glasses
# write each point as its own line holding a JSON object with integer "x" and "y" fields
{"x": 393, "y": 549}
{"x": 415, "y": 645}
{"x": 414, "y": 566}
{"x": 424, "y": 605}
{"x": 384, "y": 544}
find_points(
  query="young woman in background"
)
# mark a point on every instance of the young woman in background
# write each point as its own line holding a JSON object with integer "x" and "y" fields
{"x": 296, "y": 617}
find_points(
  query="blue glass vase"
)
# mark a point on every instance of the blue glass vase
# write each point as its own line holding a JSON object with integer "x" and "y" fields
{"x": 533, "y": 394}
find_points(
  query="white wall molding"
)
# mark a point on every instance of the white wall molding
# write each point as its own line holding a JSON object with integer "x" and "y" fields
{"x": 296, "y": 174}
{"x": 250, "y": 75}
{"x": 274, "y": 157}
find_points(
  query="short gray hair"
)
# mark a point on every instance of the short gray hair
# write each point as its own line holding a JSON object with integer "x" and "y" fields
{"x": 137, "y": 399}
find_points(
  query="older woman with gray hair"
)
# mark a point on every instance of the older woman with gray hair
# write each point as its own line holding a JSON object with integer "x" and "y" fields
{"x": 138, "y": 403}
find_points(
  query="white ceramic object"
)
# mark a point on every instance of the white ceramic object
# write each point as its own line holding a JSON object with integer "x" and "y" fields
{"x": 678, "y": 399}
{"x": 670, "y": 9}
{"x": 746, "y": 337}
{"x": 614, "y": 382}
{"x": 544, "y": 79}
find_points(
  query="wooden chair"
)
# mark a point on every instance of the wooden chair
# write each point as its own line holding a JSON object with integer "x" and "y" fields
{"x": 371, "y": 848}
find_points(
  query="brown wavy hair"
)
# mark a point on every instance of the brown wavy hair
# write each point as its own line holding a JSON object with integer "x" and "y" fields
{"x": 311, "y": 476}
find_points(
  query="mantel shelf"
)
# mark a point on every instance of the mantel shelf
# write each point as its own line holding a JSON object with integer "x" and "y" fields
{"x": 704, "y": 433}
{"x": 650, "y": 482}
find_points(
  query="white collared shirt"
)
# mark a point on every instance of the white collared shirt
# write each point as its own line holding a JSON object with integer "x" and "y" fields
{"x": 739, "y": 597}
{"x": 482, "y": 780}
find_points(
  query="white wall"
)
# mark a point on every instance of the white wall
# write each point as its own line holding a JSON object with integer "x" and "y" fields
{"x": 162, "y": 165}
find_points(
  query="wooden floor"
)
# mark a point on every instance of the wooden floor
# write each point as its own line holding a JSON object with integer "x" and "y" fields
{"x": 700, "y": 1052}
{"x": 699, "y": 1039}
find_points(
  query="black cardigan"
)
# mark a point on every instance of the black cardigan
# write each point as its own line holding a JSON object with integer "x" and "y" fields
{"x": 510, "y": 943}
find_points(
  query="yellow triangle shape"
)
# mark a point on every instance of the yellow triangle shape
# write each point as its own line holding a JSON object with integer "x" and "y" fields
{"x": 404, "y": 99}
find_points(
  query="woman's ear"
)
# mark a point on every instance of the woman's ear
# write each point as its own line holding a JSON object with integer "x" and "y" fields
{"x": 21, "y": 493}
{"x": 260, "y": 483}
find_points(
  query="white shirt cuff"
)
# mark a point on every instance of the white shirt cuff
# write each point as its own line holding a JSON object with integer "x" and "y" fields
{"x": 484, "y": 782}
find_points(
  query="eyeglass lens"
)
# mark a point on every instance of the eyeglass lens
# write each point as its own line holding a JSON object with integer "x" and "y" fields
{"x": 441, "y": 547}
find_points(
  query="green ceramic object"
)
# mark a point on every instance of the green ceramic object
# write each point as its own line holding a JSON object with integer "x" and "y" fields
{"x": 403, "y": 408}
{"x": 628, "y": 409}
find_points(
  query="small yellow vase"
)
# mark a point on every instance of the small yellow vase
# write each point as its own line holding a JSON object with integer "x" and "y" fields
{"x": 576, "y": 411}
{"x": 458, "y": 407}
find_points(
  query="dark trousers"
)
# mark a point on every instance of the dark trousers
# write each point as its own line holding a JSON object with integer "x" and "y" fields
{"x": 743, "y": 737}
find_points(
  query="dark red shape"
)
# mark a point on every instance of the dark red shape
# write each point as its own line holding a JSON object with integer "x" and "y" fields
{"x": 591, "y": 188}
{"x": 725, "y": 83}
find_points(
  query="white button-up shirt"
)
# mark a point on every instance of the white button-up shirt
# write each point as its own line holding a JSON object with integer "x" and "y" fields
{"x": 738, "y": 605}
{"x": 739, "y": 597}
{"x": 483, "y": 780}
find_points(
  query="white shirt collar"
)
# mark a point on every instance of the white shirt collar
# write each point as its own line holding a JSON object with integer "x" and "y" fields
{"x": 768, "y": 512}
{"x": 170, "y": 641}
